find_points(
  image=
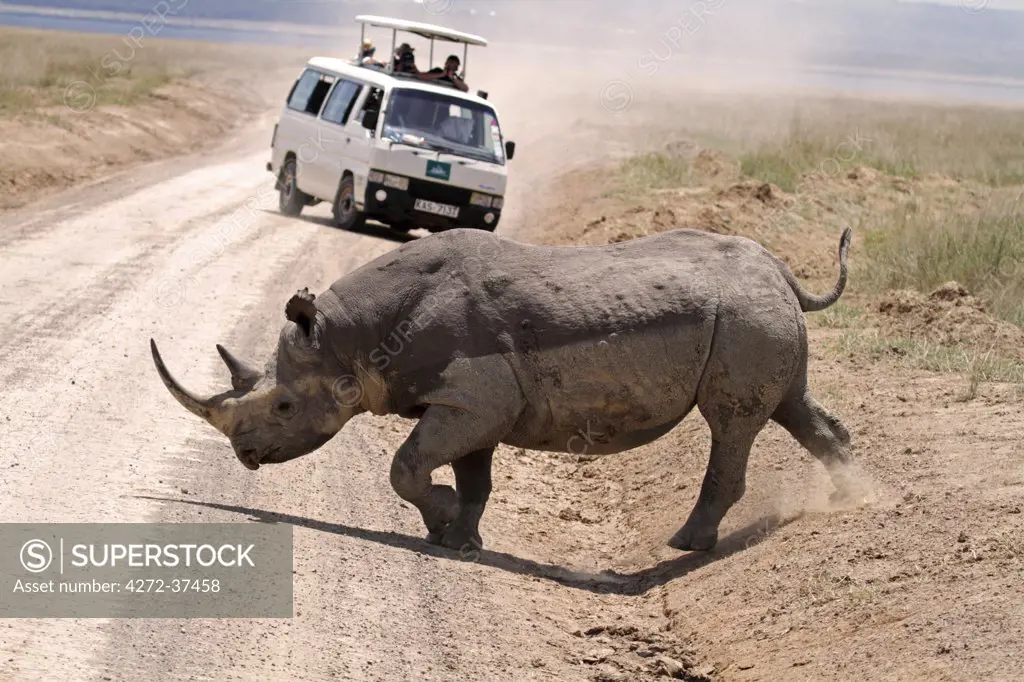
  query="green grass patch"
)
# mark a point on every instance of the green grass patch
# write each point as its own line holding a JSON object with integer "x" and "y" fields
{"x": 785, "y": 163}
{"x": 838, "y": 316}
{"x": 780, "y": 139}
{"x": 783, "y": 140}
{"x": 913, "y": 248}
{"x": 47, "y": 69}
{"x": 770, "y": 167}
{"x": 788, "y": 162}
{"x": 892, "y": 165}
{"x": 977, "y": 365}
{"x": 652, "y": 171}
{"x": 72, "y": 84}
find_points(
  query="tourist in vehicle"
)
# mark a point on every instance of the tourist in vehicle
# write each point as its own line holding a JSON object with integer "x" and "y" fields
{"x": 372, "y": 104}
{"x": 405, "y": 60}
{"x": 449, "y": 73}
{"x": 366, "y": 53}
{"x": 457, "y": 129}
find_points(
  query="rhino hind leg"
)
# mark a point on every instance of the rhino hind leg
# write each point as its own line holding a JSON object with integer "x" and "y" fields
{"x": 736, "y": 397}
{"x": 822, "y": 434}
{"x": 723, "y": 486}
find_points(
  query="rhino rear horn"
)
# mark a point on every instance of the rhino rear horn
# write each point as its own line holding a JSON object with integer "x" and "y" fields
{"x": 207, "y": 409}
{"x": 243, "y": 375}
{"x": 302, "y": 311}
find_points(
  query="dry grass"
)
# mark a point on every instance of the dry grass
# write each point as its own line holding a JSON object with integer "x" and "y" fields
{"x": 976, "y": 364}
{"x": 41, "y": 69}
{"x": 44, "y": 70}
{"x": 76, "y": 107}
{"x": 653, "y": 171}
{"x": 839, "y": 316}
{"x": 787, "y": 163}
{"x": 983, "y": 250}
{"x": 783, "y": 139}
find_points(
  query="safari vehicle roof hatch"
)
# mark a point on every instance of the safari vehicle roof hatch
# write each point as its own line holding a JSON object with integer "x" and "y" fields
{"x": 431, "y": 32}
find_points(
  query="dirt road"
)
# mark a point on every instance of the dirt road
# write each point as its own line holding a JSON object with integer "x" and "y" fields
{"x": 89, "y": 434}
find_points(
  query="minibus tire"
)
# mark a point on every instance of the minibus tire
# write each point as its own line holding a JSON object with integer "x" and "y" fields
{"x": 346, "y": 215}
{"x": 291, "y": 199}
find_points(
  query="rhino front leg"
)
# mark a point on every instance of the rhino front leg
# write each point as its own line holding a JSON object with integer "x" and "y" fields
{"x": 447, "y": 435}
{"x": 473, "y": 487}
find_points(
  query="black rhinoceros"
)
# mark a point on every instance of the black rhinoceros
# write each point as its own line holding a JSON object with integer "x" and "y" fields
{"x": 587, "y": 349}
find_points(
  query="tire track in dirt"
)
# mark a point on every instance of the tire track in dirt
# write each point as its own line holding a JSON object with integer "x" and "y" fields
{"x": 82, "y": 383}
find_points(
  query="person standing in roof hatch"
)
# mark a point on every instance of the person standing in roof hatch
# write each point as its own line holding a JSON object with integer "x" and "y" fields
{"x": 448, "y": 73}
{"x": 405, "y": 60}
{"x": 366, "y": 54}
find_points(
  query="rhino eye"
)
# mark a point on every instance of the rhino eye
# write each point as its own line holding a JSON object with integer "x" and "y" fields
{"x": 284, "y": 408}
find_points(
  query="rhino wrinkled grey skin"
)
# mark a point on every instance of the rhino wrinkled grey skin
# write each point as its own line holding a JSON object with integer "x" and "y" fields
{"x": 586, "y": 349}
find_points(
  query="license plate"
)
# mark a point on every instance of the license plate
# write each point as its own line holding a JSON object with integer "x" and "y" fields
{"x": 438, "y": 209}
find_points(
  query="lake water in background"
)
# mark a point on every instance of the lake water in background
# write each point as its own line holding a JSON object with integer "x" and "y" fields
{"x": 851, "y": 82}
{"x": 173, "y": 31}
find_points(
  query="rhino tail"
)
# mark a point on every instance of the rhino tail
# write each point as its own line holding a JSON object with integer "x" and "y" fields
{"x": 813, "y": 302}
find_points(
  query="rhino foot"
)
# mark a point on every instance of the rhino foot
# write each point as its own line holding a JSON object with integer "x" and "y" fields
{"x": 689, "y": 540}
{"x": 440, "y": 510}
{"x": 840, "y": 497}
{"x": 849, "y": 498}
{"x": 454, "y": 536}
{"x": 467, "y": 542}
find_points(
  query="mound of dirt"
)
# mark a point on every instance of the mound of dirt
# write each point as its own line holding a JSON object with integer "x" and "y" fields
{"x": 949, "y": 316}
{"x": 749, "y": 208}
{"x": 685, "y": 148}
{"x": 707, "y": 162}
{"x": 712, "y": 164}
{"x": 865, "y": 175}
{"x": 763, "y": 192}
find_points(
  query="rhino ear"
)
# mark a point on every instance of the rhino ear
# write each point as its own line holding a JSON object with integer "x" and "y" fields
{"x": 302, "y": 311}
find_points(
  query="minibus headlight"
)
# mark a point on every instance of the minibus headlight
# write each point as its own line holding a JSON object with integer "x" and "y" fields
{"x": 478, "y": 199}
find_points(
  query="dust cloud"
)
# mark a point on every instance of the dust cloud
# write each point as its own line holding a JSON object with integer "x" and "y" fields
{"x": 731, "y": 44}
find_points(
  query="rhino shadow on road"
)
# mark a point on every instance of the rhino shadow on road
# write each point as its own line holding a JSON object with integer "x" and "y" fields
{"x": 606, "y": 582}
{"x": 367, "y": 229}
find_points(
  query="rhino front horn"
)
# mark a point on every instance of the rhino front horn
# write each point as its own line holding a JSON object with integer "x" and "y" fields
{"x": 197, "y": 406}
{"x": 243, "y": 375}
